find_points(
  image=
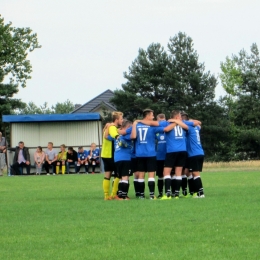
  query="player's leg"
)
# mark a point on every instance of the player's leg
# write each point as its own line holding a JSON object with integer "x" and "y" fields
{"x": 184, "y": 184}
{"x": 151, "y": 168}
{"x": 168, "y": 165}
{"x": 63, "y": 167}
{"x": 107, "y": 176}
{"x": 126, "y": 165}
{"x": 197, "y": 168}
{"x": 160, "y": 181}
{"x": 58, "y": 168}
{"x": 116, "y": 180}
{"x": 141, "y": 167}
{"x": 179, "y": 164}
{"x": 136, "y": 176}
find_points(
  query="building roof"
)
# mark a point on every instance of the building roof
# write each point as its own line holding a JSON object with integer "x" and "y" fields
{"x": 95, "y": 102}
{"x": 51, "y": 118}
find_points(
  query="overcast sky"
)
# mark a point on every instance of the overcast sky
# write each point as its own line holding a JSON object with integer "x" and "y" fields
{"x": 87, "y": 45}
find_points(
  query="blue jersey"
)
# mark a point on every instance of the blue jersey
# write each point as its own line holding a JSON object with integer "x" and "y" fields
{"x": 176, "y": 139}
{"x": 95, "y": 153}
{"x": 145, "y": 140}
{"x": 193, "y": 142}
{"x": 83, "y": 156}
{"x": 161, "y": 142}
{"x": 123, "y": 148}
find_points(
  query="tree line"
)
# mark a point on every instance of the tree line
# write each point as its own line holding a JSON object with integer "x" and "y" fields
{"x": 174, "y": 79}
{"x": 163, "y": 79}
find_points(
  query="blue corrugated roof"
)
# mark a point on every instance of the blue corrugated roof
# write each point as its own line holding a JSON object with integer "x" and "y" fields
{"x": 51, "y": 118}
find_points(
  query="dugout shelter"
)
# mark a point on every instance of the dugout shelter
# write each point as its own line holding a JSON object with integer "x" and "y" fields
{"x": 37, "y": 130}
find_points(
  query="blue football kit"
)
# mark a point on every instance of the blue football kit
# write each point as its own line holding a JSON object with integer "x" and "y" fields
{"x": 145, "y": 140}
{"x": 194, "y": 147}
{"x": 83, "y": 156}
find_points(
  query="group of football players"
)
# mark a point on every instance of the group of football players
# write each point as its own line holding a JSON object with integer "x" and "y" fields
{"x": 170, "y": 149}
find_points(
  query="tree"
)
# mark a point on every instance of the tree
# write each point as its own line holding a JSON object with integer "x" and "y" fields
{"x": 15, "y": 43}
{"x": 241, "y": 80}
{"x": 164, "y": 81}
{"x": 63, "y": 108}
{"x": 59, "y": 108}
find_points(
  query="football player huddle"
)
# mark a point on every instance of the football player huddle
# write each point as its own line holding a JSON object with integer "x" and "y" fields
{"x": 170, "y": 149}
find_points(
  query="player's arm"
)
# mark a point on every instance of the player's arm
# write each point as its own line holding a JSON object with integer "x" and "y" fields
{"x": 148, "y": 122}
{"x": 133, "y": 132}
{"x": 195, "y": 122}
{"x": 174, "y": 123}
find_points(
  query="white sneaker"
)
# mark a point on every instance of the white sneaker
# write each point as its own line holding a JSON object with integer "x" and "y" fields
{"x": 47, "y": 174}
{"x": 53, "y": 174}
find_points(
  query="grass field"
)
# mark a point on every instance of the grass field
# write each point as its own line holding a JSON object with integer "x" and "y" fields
{"x": 65, "y": 217}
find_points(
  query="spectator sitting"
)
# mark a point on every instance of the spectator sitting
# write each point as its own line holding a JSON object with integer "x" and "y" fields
{"x": 21, "y": 159}
{"x": 39, "y": 157}
{"x": 82, "y": 159}
{"x": 61, "y": 160}
{"x": 72, "y": 159}
{"x": 93, "y": 156}
{"x": 50, "y": 159}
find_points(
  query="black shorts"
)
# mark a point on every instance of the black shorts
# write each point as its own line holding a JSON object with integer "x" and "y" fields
{"x": 123, "y": 168}
{"x": 133, "y": 165}
{"x": 196, "y": 163}
{"x": 109, "y": 164}
{"x": 159, "y": 168}
{"x": 175, "y": 159}
{"x": 146, "y": 164}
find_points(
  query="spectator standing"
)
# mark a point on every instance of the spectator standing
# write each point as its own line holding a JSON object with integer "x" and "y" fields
{"x": 72, "y": 159}
{"x": 93, "y": 156}
{"x": 82, "y": 159}
{"x": 3, "y": 146}
{"x": 21, "y": 159}
{"x": 61, "y": 160}
{"x": 50, "y": 159}
{"x": 39, "y": 157}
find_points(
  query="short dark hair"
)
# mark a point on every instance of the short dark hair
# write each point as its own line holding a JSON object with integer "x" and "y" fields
{"x": 21, "y": 142}
{"x": 147, "y": 111}
{"x": 175, "y": 113}
{"x": 80, "y": 147}
{"x": 161, "y": 116}
{"x": 126, "y": 123}
{"x": 70, "y": 148}
{"x": 39, "y": 147}
{"x": 183, "y": 113}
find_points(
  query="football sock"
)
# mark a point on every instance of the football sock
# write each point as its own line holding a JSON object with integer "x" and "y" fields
{"x": 151, "y": 185}
{"x": 93, "y": 168}
{"x": 160, "y": 185}
{"x": 167, "y": 185}
{"x": 198, "y": 186}
{"x": 191, "y": 184}
{"x": 177, "y": 185}
{"x": 115, "y": 186}
{"x": 86, "y": 168}
{"x": 106, "y": 186}
{"x": 119, "y": 192}
{"x": 141, "y": 187}
{"x": 173, "y": 183}
{"x": 184, "y": 185}
{"x": 124, "y": 185}
{"x": 63, "y": 168}
{"x": 136, "y": 187}
{"x": 57, "y": 169}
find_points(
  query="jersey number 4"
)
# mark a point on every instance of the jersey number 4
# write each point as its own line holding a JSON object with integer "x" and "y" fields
{"x": 142, "y": 133}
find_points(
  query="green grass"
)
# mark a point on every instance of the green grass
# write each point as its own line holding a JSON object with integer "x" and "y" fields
{"x": 65, "y": 217}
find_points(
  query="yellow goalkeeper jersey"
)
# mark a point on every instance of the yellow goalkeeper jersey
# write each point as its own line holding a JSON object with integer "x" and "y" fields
{"x": 107, "y": 147}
